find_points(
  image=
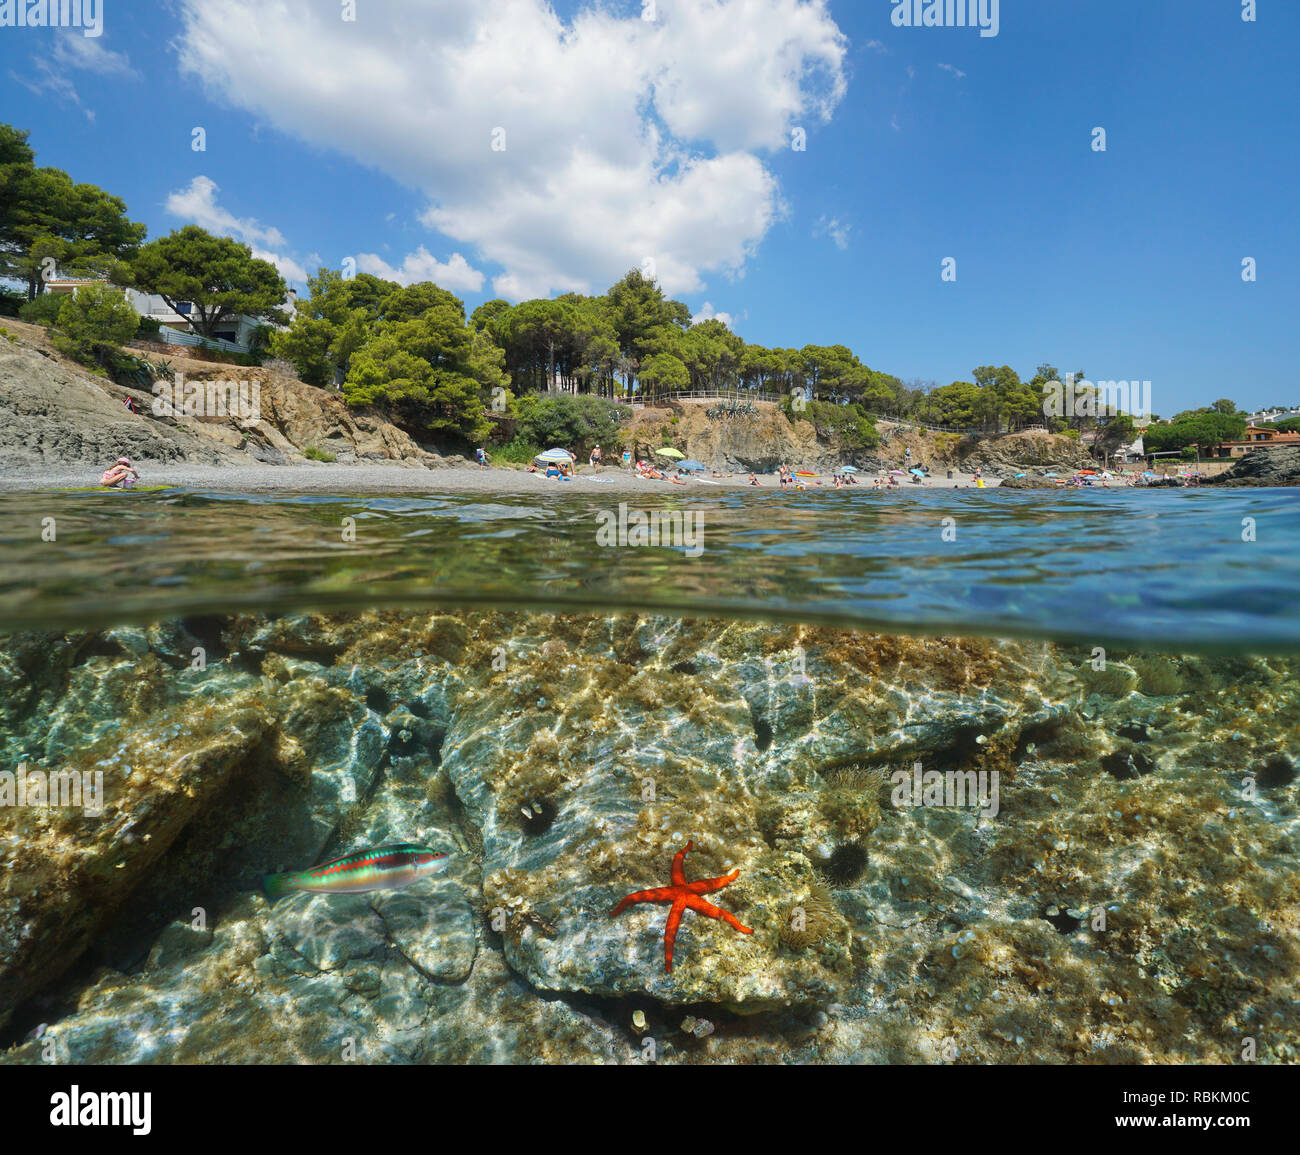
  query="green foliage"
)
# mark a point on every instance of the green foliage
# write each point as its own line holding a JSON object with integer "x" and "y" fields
{"x": 1290, "y": 425}
{"x": 1120, "y": 430}
{"x": 571, "y": 422}
{"x": 847, "y": 426}
{"x": 665, "y": 373}
{"x": 519, "y": 450}
{"x": 46, "y": 220}
{"x": 149, "y": 327}
{"x": 43, "y": 310}
{"x": 1202, "y": 427}
{"x": 94, "y": 322}
{"x": 219, "y": 276}
{"x": 332, "y": 323}
{"x": 11, "y": 301}
{"x": 128, "y": 370}
{"x": 726, "y": 409}
{"x": 425, "y": 365}
{"x": 314, "y": 454}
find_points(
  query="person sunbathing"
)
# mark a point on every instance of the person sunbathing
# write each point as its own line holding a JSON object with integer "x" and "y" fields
{"x": 753, "y": 480}
{"x": 120, "y": 474}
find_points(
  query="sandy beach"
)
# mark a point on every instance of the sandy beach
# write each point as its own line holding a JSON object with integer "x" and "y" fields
{"x": 316, "y": 477}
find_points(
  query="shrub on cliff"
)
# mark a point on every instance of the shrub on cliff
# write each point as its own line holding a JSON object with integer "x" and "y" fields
{"x": 94, "y": 323}
{"x": 42, "y": 310}
{"x": 845, "y": 425}
{"x": 574, "y": 422}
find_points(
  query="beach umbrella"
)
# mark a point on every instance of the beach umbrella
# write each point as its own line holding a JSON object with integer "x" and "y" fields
{"x": 1150, "y": 475}
{"x": 897, "y": 473}
{"x": 918, "y": 472}
{"x": 670, "y": 453}
{"x": 1020, "y": 475}
{"x": 693, "y": 466}
{"x": 555, "y": 455}
{"x": 1086, "y": 473}
{"x": 1049, "y": 474}
{"x": 848, "y": 469}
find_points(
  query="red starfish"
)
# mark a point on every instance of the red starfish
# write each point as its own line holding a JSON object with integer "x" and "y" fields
{"x": 683, "y": 894}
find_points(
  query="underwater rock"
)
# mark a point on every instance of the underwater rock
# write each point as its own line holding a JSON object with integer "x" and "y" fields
{"x": 563, "y": 761}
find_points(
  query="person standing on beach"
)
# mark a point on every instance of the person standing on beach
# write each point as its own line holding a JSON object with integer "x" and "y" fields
{"x": 627, "y": 459}
{"x": 482, "y": 456}
{"x": 594, "y": 459}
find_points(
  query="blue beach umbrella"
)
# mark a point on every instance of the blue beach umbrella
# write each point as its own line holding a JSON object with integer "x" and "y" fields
{"x": 554, "y": 455}
{"x": 692, "y": 466}
{"x": 1020, "y": 475}
{"x": 918, "y": 472}
{"x": 848, "y": 469}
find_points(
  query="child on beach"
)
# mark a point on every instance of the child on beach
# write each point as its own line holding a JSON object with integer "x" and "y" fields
{"x": 121, "y": 473}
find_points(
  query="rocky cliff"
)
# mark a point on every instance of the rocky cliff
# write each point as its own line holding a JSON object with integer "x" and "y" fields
{"x": 767, "y": 438}
{"x": 1279, "y": 466}
{"x": 54, "y": 411}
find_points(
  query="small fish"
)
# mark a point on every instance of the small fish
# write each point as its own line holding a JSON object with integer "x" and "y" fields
{"x": 389, "y": 867}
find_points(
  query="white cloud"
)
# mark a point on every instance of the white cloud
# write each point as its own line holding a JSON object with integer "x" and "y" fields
{"x": 198, "y": 205}
{"x": 72, "y": 50}
{"x": 624, "y": 139}
{"x": 707, "y": 314}
{"x": 50, "y": 72}
{"x": 877, "y": 46}
{"x": 288, "y": 268}
{"x": 835, "y": 229}
{"x": 957, "y": 72}
{"x": 455, "y": 275}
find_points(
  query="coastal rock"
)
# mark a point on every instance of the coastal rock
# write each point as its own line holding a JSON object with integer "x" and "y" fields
{"x": 1277, "y": 466}
{"x": 1022, "y": 452}
{"x": 55, "y": 412}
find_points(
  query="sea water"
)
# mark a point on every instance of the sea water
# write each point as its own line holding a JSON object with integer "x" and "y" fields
{"x": 1007, "y": 777}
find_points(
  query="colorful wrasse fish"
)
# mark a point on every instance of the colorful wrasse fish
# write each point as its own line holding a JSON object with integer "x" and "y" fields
{"x": 389, "y": 867}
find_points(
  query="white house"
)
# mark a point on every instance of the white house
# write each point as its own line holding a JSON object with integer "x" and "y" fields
{"x": 235, "y": 333}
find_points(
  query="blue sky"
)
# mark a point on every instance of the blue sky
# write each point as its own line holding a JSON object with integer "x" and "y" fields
{"x": 669, "y": 140}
